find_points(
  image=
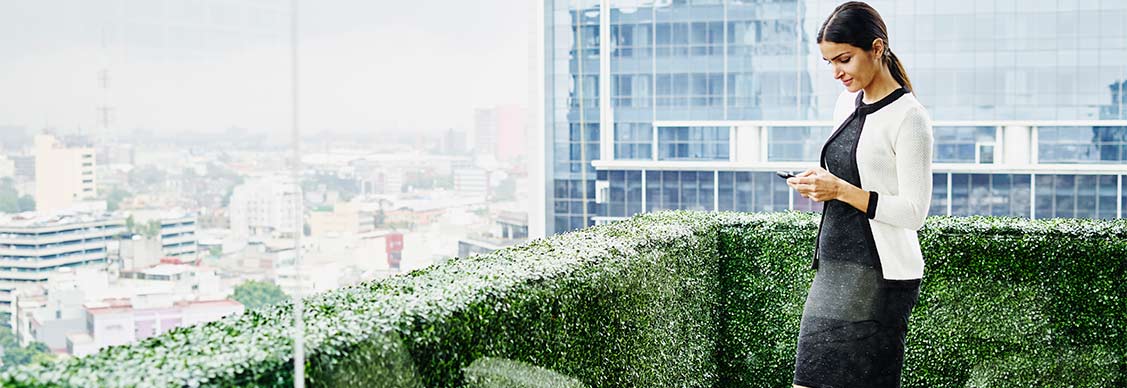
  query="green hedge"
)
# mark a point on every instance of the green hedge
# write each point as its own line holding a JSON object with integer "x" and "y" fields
{"x": 1005, "y": 302}
{"x": 489, "y": 372}
{"x": 668, "y": 299}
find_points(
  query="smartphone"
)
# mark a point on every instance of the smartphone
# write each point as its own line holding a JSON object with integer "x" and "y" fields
{"x": 784, "y": 174}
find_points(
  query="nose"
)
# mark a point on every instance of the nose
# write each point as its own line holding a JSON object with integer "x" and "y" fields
{"x": 838, "y": 73}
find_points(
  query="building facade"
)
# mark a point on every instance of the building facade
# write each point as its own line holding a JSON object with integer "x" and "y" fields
{"x": 32, "y": 248}
{"x": 693, "y": 104}
{"x": 124, "y": 321}
{"x": 341, "y": 219}
{"x": 267, "y": 207}
{"x": 509, "y": 228}
{"x": 66, "y": 174}
{"x": 178, "y": 236}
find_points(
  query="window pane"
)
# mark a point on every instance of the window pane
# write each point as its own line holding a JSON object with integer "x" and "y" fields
{"x": 938, "y": 194}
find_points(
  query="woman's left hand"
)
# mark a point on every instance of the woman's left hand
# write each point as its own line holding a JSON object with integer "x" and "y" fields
{"x": 817, "y": 184}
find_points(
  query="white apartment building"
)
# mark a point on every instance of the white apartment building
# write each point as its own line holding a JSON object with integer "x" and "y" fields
{"x": 267, "y": 207}
{"x": 65, "y": 174}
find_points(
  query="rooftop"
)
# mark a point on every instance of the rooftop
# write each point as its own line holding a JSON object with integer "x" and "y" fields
{"x": 31, "y": 220}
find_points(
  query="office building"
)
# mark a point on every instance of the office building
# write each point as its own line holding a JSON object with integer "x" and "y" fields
{"x": 685, "y": 104}
{"x": 32, "y": 247}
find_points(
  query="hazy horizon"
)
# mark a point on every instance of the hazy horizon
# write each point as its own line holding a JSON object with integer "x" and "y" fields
{"x": 412, "y": 66}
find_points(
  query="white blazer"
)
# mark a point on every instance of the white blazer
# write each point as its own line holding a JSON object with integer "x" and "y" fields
{"x": 894, "y": 164}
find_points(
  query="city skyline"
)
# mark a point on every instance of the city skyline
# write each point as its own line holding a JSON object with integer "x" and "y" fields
{"x": 154, "y": 176}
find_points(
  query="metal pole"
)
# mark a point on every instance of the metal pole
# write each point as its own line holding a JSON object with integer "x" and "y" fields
{"x": 298, "y": 305}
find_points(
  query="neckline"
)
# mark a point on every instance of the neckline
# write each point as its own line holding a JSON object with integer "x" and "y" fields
{"x": 870, "y": 108}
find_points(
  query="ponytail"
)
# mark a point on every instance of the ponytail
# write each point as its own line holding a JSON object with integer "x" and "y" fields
{"x": 897, "y": 69}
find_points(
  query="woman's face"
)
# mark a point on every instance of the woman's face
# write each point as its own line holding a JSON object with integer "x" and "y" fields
{"x": 851, "y": 65}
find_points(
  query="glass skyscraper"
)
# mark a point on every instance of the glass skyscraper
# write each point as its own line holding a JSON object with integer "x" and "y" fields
{"x": 693, "y": 104}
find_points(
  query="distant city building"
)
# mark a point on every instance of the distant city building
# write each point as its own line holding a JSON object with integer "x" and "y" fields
{"x": 484, "y": 138}
{"x": 379, "y": 180}
{"x": 25, "y": 166}
{"x": 500, "y": 132}
{"x": 414, "y": 216}
{"x": 66, "y": 174}
{"x": 258, "y": 259}
{"x": 454, "y": 142}
{"x": 471, "y": 182}
{"x": 511, "y": 130}
{"x": 178, "y": 236}
{"x": 120, "y": 322}
{"x": 139, "y": 252}
{"x": 7, "y": 167}
{"x": 116, "y": 153}
{"x": 509, "y": 228}
{"x": 393, "y": 244}
{"x": 60, "y": 309}
{"x": 31, "y": 247}
{"x": 342, "y": 218}
{"x": 427, "y": 210}
{"x": 266, "y": 207}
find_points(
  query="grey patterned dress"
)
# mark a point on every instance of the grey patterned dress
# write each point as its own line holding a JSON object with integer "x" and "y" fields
{"x": 854, "y": 322}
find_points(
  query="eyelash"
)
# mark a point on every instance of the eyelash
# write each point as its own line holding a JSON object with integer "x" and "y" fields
{"x": 846, "y": 60}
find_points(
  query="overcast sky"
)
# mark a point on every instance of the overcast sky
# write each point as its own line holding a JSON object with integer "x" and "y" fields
{"x": 409, "y": 65}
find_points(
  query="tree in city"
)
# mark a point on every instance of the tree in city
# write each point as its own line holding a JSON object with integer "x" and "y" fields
{"x": 115, "y": 197}
{"x": 10, "y": 199}
{"x": 26, "y": 203}
{"x": 444, "y": 182}
{"x": 16, "y": 355}
{"x": 255, "y": 294}
{"x": 149, "y": 229}
{"x": 506, "y": 190}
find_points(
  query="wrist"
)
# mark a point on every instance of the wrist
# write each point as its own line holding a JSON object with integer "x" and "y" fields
{"x": 841, "y": 189}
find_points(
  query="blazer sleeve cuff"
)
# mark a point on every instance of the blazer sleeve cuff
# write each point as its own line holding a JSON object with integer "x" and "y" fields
{"x": 871, "y": 210}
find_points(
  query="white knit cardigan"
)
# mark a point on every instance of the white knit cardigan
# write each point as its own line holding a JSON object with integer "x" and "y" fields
{"x": 894, "y": 164}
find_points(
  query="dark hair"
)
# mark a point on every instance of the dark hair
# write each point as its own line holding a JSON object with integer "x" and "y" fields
{"x": 858, "y": 24}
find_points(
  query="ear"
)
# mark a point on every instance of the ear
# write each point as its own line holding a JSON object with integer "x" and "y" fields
{"x": 878, "y": 47}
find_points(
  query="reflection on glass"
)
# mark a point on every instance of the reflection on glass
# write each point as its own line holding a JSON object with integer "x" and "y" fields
{"x": 787, "y": 144}
{"x": 693, "y": 143}
{"x": 938, "y": 194}
{"x": 966, "y": 144}
{"x": 1091, "y": 144}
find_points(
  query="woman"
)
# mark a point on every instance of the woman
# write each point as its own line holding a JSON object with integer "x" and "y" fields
{"x": 875, "y": 182}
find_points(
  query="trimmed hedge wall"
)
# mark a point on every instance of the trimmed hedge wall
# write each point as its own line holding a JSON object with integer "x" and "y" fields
{"x": 488, "y": 372}
{"x": 668, "y": 299}
{"x": 1005, "y": 302}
